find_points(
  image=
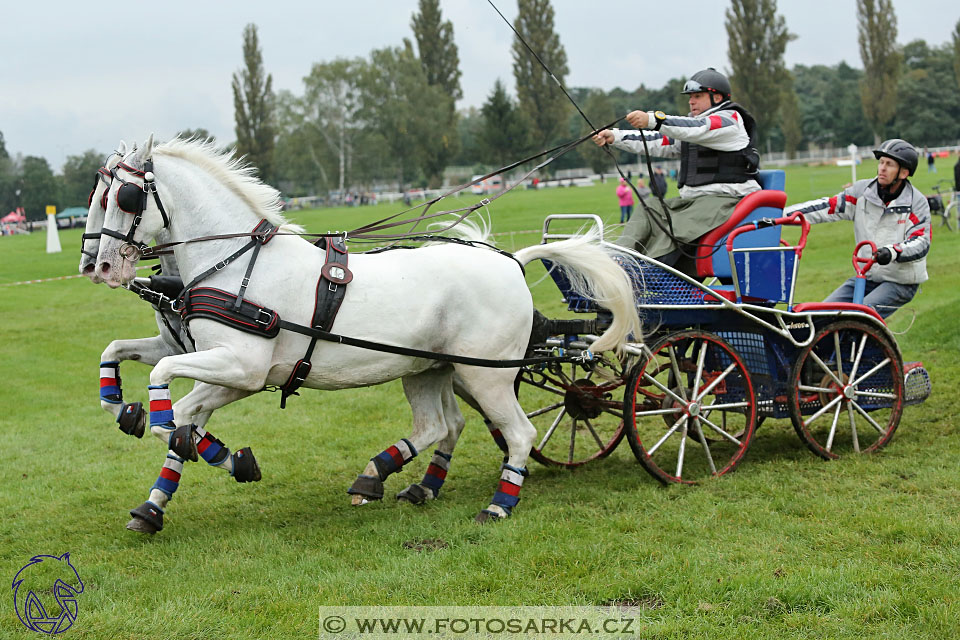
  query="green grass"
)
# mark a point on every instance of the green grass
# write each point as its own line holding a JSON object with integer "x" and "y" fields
{"x": 788, "y": 546}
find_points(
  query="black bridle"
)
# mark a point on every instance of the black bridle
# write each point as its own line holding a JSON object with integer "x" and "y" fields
{"x": 132, "y": 199}
{"x": 102, "y": 175}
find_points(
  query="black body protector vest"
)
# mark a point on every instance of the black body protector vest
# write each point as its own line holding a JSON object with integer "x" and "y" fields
{"x": 701, "y": 165}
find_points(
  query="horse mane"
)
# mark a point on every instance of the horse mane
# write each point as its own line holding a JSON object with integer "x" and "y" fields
{"x": 232, "y": 171}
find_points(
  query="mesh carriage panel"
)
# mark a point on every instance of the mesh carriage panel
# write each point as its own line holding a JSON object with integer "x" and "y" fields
{"x": 652, "y": 285}
{"x": 768, "y": 366}
{"x": 917, "y": 386}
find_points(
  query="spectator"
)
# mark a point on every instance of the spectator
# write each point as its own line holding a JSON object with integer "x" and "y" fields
{"x": 931, "y": 163}
{"x": 658, "y": 184}
{"x": 625, "y": 198}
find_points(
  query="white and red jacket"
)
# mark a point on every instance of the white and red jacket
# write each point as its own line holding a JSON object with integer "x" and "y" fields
{"x": 903, "y": 226}
{"x": 718, "y": 128}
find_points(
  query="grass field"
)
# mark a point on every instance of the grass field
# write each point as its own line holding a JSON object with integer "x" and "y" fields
{"x": 789, "y": 546}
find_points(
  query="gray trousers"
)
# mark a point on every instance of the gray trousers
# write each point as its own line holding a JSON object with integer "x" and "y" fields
{"x": 884, "y": 297}
{"x": 690, "y": 218}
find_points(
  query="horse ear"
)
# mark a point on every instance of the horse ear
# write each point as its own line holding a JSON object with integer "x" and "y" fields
{"x": 122, "y": 149}
{"x": 147, "y": 150}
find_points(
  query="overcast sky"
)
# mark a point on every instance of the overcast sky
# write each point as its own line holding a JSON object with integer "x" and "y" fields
{"x": 79, "y": 75}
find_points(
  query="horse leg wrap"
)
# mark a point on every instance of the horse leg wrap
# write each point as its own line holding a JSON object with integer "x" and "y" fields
{"x": 169, "y": 479}
{"x": 149, "y": 512}
{"x": 393, "y": 458}
{"x": 368, "y": 487}
{"x": 508, "y": 492}
{"x": 110, "y": 391}
{"x": 182, "y": 442}
{"x": 132, "y": 419}
{"x": 211, "y": 449}
{"x": 436, "y": 472}
{"x": 245, "y": 467}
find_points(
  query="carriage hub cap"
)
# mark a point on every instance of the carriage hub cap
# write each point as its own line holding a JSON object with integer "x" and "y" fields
{"x": 693, "y": 409}
{"x": 849, "y": 392}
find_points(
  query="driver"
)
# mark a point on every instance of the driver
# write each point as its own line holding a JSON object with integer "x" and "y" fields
{"x": 716, "y": 144}
{"x": 889, "y": 211}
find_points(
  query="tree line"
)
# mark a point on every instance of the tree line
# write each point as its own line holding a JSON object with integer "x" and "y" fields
{"x": 390, "y": 117}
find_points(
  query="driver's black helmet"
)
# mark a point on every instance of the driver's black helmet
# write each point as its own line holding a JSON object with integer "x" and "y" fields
{"x": 901, "y": 151}
{"x": 708, "y": 80}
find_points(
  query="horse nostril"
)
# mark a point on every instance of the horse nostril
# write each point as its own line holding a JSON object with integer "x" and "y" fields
{"x": 104, "y": 268}
{"x": 87, "y": 270}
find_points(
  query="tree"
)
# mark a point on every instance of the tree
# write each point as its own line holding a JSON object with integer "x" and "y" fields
{"x": 505, "y": 132}
{"x": 538, "y": 95}
{"x": 39, "y": 187}
{"x": 441, "y": 64}
{"x": 791, "y": 123}
{"x": 877, "y": 35}
{"x": 438, "y": 52}
{"x": 253, "y": 104}
{"x": 401, "y": 108}
{"x": 928, "y": 112}
{"x": 956, "y": 52}
{"x": 78, "y": 176}
{"x": 196, "y": 134}
{"x": 756, "y": 41}
{"x": 599, "y": 108}
{"x": 8, "y": 180}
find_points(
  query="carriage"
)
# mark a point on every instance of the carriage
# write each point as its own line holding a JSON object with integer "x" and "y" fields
{"x": 714, "y": 361}
{"x": 721, "y": 353}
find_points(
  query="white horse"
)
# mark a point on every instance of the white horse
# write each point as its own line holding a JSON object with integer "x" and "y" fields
{"x": 439, "y": 299}
{"x": 173, "y": 339}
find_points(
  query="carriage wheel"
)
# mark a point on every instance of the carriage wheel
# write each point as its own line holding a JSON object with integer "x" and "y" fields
{"x": 690, "y": 408}
{"x": 846, "y": 390}
{"x": 575, "y": 408}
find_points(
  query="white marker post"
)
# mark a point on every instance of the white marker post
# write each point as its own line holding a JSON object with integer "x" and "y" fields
{"x": 853, "y": 162}
{"x": 53, "y": 238}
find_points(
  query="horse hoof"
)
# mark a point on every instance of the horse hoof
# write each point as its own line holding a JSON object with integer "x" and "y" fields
{"x": 132, "y": 419}
{"x": 245, "y": 467}
{"x": 147, "y": 518}
{"x": 414, "y": 494}
{"x": 182, "y": 444}
{"x": 486, "y": 516}
{"x": 365, "y": 489}
{"x": 141, "y": 526}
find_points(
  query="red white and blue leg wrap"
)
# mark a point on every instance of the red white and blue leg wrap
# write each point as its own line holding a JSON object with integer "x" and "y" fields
{"x": 393, "y": 458}
{"x": 110, "y": 390}
{"x": 210, "y": 448}
{"x": 508, "y": 492}
{"x": 497, "y": 436}
{"x": 161, "y": 408}
{"x": 436, "y": 472}
{"x": 169, "y": 478}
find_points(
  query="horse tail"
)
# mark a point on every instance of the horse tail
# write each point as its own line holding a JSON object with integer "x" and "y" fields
{"x": 596, "y": 270}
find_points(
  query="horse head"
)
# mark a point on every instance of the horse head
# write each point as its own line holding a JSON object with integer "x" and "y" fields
{"x": 131, "y": 218}
{"x": 96, "y": 208}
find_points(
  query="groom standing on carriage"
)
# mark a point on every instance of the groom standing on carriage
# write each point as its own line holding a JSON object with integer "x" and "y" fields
{"x": 716, "y": 144}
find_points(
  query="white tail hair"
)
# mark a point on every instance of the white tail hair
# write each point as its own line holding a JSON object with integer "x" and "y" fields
{"x": 593, "y": 272}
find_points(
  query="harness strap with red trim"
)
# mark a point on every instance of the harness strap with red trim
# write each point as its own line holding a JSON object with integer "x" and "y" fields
{"x": 331, "y": 287}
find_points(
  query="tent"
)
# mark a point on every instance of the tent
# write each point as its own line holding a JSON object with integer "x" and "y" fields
{"x": 13, "y": 217}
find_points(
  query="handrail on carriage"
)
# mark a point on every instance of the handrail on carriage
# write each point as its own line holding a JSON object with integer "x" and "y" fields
{"x": 546, "y": 235}
{"x": 794, "y": 219}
